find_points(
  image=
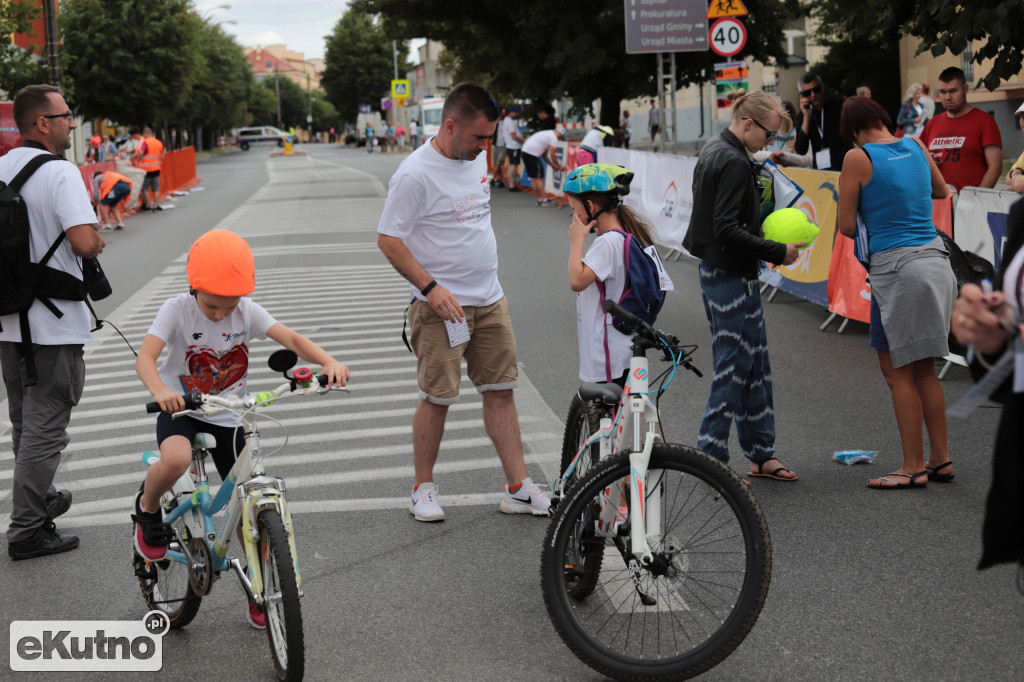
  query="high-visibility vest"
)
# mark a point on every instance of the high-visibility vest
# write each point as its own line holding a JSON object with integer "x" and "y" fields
{"x": 108, "y": 180}
{"x": 154, "y": 154}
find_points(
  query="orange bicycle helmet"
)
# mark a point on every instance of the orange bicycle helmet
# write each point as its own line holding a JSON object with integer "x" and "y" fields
{"x": 221, "y": 263}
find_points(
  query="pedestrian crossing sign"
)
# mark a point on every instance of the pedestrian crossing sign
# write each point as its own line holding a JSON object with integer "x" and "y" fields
{"x": 726, "y": 8}
{"x": 399, "y": 88}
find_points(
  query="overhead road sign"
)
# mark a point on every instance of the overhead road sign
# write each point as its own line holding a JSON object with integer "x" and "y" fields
{"x": 666, "y": 26}
{"x": 726, "y": 8}
{"x": 727, "y": 36}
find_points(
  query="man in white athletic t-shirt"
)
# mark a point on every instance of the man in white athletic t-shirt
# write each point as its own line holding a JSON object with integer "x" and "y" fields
{"x": 436, "y": 231}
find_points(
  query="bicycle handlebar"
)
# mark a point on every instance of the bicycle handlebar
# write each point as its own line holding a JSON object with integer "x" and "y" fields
{"x": 196, "y": 400}
{"x": 657, "y": 338}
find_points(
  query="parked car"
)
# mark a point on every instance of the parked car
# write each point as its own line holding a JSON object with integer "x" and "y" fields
{"x": 260, "y": 136}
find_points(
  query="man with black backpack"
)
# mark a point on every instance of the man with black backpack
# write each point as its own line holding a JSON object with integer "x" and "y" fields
{"x": 44, "y": 320}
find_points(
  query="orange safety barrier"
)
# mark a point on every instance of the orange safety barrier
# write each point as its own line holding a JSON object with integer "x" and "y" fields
{"x": 179, "y": 171}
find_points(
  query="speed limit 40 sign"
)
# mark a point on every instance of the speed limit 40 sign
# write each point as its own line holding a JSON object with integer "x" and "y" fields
{"x": 727, "y": 36}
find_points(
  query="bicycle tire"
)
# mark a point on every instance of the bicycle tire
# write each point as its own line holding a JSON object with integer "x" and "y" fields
{"x": 169, "y": 591}
{"x": 281, "y": 597}
{"x": 715, "y": 572}
{"x": 583, "y": 420}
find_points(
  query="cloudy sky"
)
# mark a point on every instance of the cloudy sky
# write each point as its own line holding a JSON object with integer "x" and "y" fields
{"x": 300, "y": 25}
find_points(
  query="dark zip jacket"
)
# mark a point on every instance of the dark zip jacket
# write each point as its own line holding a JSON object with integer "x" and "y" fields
{"x": 725, "y": 223}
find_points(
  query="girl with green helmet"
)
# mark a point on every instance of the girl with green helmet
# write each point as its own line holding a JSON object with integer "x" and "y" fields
{"x": 595, "y": 194}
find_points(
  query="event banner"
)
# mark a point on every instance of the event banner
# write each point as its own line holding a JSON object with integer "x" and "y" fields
{"x": 807, "y": 278}
{"x": 662, "y": 191}
{"x": 979, "y": 224}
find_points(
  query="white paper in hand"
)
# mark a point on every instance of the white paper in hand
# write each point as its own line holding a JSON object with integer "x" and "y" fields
{"x": 458, "y": 332}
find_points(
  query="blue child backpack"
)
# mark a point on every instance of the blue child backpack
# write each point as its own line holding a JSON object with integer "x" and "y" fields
{"x": 642, "y": 294}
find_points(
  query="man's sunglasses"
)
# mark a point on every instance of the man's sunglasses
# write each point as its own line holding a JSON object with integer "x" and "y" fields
{"x": 67, "y": 115}
{"x": 811, "y": 91}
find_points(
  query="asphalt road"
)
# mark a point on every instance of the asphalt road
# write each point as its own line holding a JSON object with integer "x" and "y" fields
{"x": 866, "y": 584}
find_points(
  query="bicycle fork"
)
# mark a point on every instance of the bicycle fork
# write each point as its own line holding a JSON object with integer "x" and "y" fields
{"x": 255, "y": 495}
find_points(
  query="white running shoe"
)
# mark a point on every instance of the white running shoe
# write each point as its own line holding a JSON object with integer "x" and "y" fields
{"x": 424, "y": 505}
{"x": 527, "y": 500}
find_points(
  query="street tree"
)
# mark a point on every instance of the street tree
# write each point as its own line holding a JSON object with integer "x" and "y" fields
{"x": 359, "y": 62}
{"x": 940, "y": 25}
{"x": 543, "y": 49}
{"x": 18, "y": 67}
{"x": 220, "y": 83}
{"x": 131, "y": 61}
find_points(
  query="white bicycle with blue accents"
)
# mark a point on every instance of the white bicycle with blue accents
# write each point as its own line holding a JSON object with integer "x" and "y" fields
{"x": 198, "y": 552}
{"x": 657, "y": 561}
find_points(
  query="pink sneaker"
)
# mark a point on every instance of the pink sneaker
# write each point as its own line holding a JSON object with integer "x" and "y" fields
{"x": 257, "y": 618}
{"x": 151, "y": 535}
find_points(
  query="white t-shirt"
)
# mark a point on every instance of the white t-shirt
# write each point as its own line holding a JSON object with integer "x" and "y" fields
{"x": 508, "y": 126}
{"x": 538, "y": 143}
{"x": 207, "y": 356}
{"x": 57, "y": 199}
{"x": 593, "y": 140}
{"x": 607, "y": 258}
{"x": 441, "y": 209}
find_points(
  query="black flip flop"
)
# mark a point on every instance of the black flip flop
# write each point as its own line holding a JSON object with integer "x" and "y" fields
{"x": 900, "y": 486}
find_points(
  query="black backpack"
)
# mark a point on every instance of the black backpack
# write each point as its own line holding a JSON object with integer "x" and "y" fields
{"x": 21, "y": 280}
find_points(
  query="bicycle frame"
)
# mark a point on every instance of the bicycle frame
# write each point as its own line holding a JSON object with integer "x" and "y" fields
{"x": 257, "y": 492}
{"x": 637, "y": 425}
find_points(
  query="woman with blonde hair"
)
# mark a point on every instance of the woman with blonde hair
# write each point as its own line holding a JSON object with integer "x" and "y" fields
{"x": 912, "y": 112}
{"x": 725, "y": 234}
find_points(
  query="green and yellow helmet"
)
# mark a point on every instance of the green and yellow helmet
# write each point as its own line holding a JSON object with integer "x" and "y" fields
{"x": 598, "y": 178}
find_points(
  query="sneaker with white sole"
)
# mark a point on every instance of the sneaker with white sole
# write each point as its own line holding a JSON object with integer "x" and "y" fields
{"x": 425, "y": 505}
{"x": 529, "y": 499}
{"x": 257, "y": 619}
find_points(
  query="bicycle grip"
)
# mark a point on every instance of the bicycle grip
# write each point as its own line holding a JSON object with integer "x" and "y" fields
{"x": 193, "y": 401}
{"x": 323, "y": 379}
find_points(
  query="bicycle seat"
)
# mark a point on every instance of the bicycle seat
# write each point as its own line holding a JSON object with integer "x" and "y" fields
{"x": 204, "y": 441}
{"x": 609, "y": 394}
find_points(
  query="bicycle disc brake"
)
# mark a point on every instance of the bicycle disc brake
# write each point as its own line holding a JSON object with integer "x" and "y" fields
{"x": 200, "y": 576}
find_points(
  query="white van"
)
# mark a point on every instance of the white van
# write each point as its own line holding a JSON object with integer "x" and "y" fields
{"x": 430, "y": 110}
{"x": 260, "y": 136}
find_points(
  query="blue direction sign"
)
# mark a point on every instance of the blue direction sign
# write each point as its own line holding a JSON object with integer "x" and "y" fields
{"x": 666, "y": 26}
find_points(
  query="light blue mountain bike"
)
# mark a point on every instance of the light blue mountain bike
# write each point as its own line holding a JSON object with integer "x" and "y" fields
{"x": 198, "y": 552}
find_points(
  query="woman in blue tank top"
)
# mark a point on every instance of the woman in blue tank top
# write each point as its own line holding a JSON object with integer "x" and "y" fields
{"x": 887, "y": 185}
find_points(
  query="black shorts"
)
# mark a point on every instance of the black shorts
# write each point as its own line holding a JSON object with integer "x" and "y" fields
{"x": 534, "y": 166}
{"x": 228, "y": 439}
{"x": 512, "y": 155}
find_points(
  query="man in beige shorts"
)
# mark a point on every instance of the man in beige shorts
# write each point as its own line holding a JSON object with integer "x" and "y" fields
{"x": 436, "y": 231}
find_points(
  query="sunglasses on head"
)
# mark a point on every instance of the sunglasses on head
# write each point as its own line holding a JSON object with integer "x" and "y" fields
{"x": 811, "y": 91}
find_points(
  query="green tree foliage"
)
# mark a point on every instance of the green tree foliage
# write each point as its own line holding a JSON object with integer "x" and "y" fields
{"x": 18, "y": 67}
{"x": 263, "y": 103}
{"x": 325, "y": 116}
{"x": 941, "y": 25}
{"x": 359, "y": 62}
{"x": 132, "y": 61}
{"x": 540, "y": 49}
{"x": 220, "y": 83}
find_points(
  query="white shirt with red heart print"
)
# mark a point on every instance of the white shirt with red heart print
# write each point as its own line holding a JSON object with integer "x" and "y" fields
{"x": 207, "y": 356}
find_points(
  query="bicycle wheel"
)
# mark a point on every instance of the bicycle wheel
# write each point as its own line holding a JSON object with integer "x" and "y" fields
{"x": 583, "y": 421}
{"x": 165, "y": 584}
{"x": 697, "y": 600}
{"x": 280, "y": 597}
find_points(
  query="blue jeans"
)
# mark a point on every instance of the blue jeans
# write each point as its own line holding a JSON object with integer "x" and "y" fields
{"x": 741, "y": 387}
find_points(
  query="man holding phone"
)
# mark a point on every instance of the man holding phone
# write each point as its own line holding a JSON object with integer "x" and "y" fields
{"x": 818, "y": 125}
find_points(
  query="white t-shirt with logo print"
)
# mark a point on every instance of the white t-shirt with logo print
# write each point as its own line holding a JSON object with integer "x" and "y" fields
{"x": 207, "y": 356}
{"x": 607, "y": 258}
{"x": 440, "y": 208}
{"x": 538, "y": 143}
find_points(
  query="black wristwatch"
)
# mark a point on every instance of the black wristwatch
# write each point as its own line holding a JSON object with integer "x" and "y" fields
{"x": 427, "y": 289}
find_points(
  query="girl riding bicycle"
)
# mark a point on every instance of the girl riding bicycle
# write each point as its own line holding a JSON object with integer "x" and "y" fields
{"x": 595, "y": 194}
{"x": 207, "y": 332}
